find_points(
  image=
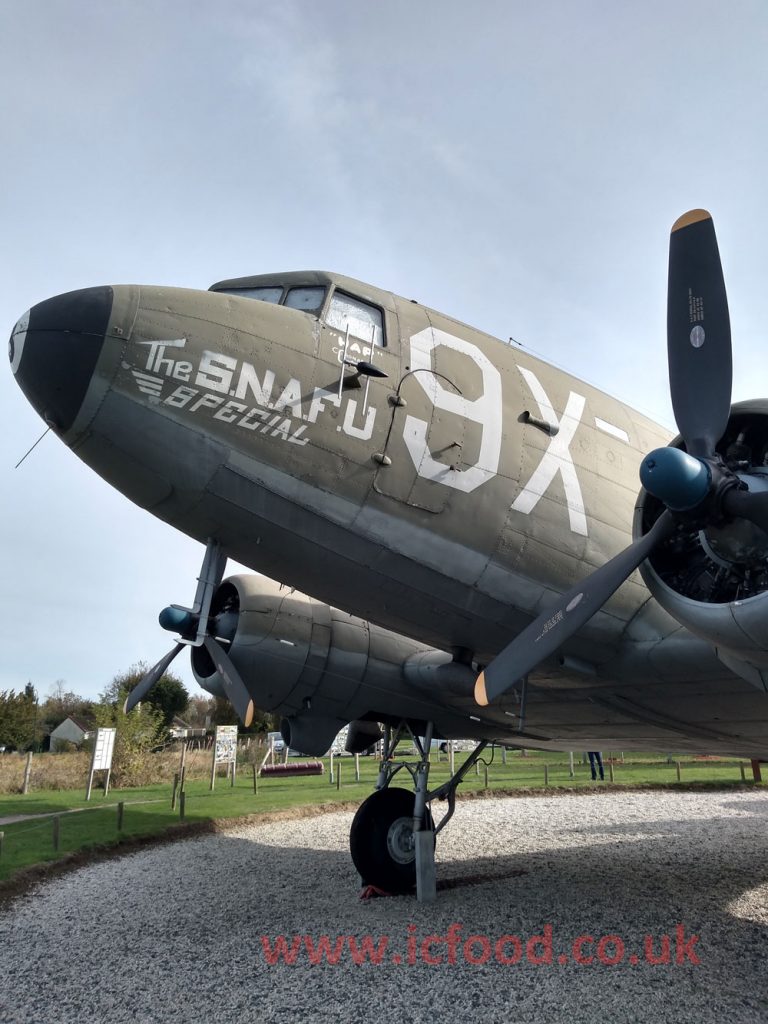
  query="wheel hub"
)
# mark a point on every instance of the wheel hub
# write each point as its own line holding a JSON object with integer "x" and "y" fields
{"x": 400, "y": 843}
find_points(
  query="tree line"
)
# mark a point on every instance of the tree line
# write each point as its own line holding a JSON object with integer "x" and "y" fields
{"x": 26, "y": 721}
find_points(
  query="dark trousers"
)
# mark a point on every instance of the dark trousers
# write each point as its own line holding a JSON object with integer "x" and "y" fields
{"x": 595, "y": 763}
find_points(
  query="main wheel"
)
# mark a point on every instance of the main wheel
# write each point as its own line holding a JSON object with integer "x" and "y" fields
{"x": 381, "y": 840}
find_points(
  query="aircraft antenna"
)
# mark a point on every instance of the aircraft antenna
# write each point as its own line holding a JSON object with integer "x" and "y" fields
{"x": 37, "y": 442}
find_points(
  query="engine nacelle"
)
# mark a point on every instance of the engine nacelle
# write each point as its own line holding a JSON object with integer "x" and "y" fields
{"x": 714, "y": 581}
{"x": 319, "y": 667}
{"x": 310, "y": 734}
{"x": 362, "y": 736}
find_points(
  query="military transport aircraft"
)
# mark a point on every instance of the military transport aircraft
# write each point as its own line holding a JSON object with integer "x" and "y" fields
{"x": 449, "y": 520}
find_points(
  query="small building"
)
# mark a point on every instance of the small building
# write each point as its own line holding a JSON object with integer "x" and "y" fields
{"x": 71, "y": 730}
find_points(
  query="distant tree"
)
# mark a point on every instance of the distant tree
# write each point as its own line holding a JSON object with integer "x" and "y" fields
{"x": 222, "y": 712}
{"x": 199, "y": 711}
{"x": 169, "y": 695}
{"x": 18, "y": 718}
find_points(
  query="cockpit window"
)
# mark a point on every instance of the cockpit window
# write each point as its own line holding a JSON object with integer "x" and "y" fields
{"x": 363, "y": 320}
{"x": 264, "y": 294}
{"x": 308, "y": 299}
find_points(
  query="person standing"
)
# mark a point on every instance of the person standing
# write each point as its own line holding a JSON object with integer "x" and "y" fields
{"x": 596, "y": 764}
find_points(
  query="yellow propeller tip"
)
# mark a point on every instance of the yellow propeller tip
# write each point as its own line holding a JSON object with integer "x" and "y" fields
{"x": 248, "y": 714}
{"x": 481, "y": 697}
{"x": 692, "y": 217}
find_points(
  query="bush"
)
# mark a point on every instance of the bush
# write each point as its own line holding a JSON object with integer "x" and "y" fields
{"x": 138, "y": 735}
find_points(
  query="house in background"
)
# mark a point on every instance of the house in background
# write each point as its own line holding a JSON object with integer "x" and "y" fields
{"x": 71, "y": 730}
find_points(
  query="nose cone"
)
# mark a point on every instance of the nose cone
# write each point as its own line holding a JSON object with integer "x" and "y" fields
{"x": 54, "y": 349}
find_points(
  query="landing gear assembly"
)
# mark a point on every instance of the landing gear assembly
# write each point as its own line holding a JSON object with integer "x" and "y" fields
{"x": 392, "y": 839}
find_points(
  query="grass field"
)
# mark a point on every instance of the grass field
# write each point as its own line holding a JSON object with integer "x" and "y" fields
{"x": 147, "y": 811}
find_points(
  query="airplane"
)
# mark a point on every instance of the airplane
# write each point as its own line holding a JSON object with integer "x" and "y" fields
{"x": 448, "y": 527}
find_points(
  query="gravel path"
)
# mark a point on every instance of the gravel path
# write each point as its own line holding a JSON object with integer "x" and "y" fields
{"x": 175, "y": 933}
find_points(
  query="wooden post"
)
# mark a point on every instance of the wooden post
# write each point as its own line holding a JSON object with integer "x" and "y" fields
{"x": 743, "y": 772}
{"x": 173, "y": 793}
{"x": 571, "y": 772}
{"x": 255, "y": 779}
{"x": 183, "y": 758}
{"x": 452, "y": 757}
{"x": 546, "y": 774}
{"x": 610, "y": 771}
{"x": 485, "y": 770}
{"x": 56, "y": 833}
{"x": 182, "y": 807}
{"x": 234, "y": 769}
{"x": 183, "y": 778}
{"x": 330, "y": 768}
{"x": 213, "y": 767}
{"x": 503, "y": 755}
{"x": 357, "y": 767}
{"x": 120, "y": 815}
{"x": 677, "y": 768}
{"x": 2, "y": 837}
{"x": 106, "y": 782}
{"x": 338, "y": 776}
{"x": 27, "y": 773}
{"x": 756, "y": 770}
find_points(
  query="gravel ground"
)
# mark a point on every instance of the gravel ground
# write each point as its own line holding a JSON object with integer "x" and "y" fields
{"x": 175, "y": 932}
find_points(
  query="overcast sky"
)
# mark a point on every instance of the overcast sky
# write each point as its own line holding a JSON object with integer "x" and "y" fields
{"x": 516, "y": 165}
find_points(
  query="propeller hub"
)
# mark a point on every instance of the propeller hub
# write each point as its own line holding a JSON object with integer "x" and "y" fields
{"x": 676, "y": 478}
{"x": 177, "y": 620}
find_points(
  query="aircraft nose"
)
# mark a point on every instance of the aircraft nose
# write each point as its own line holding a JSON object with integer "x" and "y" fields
{"x": 54, "y": 349}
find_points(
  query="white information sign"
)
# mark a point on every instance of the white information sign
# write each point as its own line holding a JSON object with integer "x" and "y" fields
{"x": 102, "y": 752}
{"x": 226, "y": 743}
{"x": 101, "y": 761}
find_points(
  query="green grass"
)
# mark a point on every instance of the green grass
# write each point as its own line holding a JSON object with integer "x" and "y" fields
{"x": 148, "y": 811}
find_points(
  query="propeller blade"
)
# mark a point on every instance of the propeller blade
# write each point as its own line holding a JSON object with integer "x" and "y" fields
{"x": 145, "y": 684}
{"x": 698, "y": 334}
{"x": 751, "y": 505}
{"x": 553, "y": 627}
{"x": 235, "y": 688}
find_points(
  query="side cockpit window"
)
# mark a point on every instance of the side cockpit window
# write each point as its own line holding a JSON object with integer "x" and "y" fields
{"x": 363, "y": 320}
{"x": 263, "y": 294}
{"x": 310, "y": 300}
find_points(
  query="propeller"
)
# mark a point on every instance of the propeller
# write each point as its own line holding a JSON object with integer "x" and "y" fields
{"x": 696, "y": 486}
{"x": 194, "y": 626}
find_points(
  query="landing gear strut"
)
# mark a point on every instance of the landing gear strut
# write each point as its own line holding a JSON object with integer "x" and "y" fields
{"x": 392, "y": 839}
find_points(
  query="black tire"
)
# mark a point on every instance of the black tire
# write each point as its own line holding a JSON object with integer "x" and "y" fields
{"x": 378, "y": 840}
